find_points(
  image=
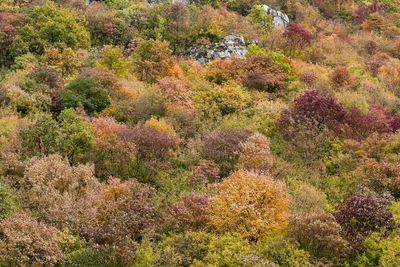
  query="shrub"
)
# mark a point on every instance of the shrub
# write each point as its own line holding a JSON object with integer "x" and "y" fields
{"x": 50, "y": 26}
{"x": 360, "y": 215}
{"x": 52, "y": 186}
{"x": 189, "y": 213}
{"x": 113, "y": 155}
{"x": 260, "y": 205}
{"x": 8, "y": 203}
{"x": 360, "y": 125}
{"x": 87, "y": 92}
{"x": 152, "y": 60}
{"x": 222, "y": 147}
{"x": 315, "y": 110}
{"x": 227, "y": 250}
{"x": 40, "y": 138}
{"x": 205, "y": 171}
{"x": 27, "y": 242}
{"x": 176, "y": 92}
{"x": 261, "y": 73}
{"x": 75, "y": 136}
{"x": 297, "y": 38}
{"x": 319, "y": 234}
{"x": 123, "y": 213}
{"x": 255, "y": 154}
{"x": 214, "y": 102}
{"x": 341, "y": 76}
{"x": 113, "y": 59}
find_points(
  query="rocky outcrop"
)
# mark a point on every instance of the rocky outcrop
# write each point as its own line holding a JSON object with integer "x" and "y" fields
{"x": 279, "y": 19}
{"x": 231, "y": 46}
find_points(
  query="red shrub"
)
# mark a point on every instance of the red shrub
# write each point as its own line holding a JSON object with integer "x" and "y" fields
{"x": 222, "y": 147}
{"x": 312, "y": 109}
{"x": 297, "y": 37}
{"x": 341, "y": 76}
{"x": 360, "y": 125}
{"x": 206, "y": 171}
{"x": 360, "y": 215}
{"x": 189, "y": 212}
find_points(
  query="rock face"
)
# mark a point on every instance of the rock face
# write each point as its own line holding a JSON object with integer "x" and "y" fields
{"x": 231, "y": 46}
{"x": 280, "y": 19}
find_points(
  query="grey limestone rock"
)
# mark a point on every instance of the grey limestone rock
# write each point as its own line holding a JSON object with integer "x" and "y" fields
{"x": 280, "y": 19}
{"x": 231, "y": 46}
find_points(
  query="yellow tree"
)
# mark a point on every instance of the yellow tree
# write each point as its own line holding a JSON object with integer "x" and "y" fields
{"x": 250, "y": 204}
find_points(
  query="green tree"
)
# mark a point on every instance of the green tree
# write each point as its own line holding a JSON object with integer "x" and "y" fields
{"x": 51, "y": 26}
{"x": 87, "y": 92}
{"x": 113, "y": 59}
{"x": 7, "y": 201}
{"x": 39, "y": 138}
{"x": 75, "y": 136}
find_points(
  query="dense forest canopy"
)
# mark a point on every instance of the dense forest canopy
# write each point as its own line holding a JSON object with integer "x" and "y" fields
{"x": 200, "y": 133}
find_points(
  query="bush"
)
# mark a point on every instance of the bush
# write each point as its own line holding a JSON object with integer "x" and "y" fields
{"x": 189, "y": 213}
{"x": 260, "y": 205}
{"x": 8, "y": 204}
{"x": 315, "y": 110}
{"x": 50, "y": 26}
{"x": 360, "y": 215}
{"x": 223, "y": 147}
{"x": 87, "y": 92}
{"x": 255, "y": 154}
{"x": 152, "y": 60}
{"x": 27, "y": 242}
{"x": 319, "y": 234}
{"x": 113, "y": 59}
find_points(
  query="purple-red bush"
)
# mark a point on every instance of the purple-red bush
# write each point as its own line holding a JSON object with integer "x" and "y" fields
{"x": 205, "y": 171}
{"x": 360, "y": 215}
{"x": 359, "y": 125}
{"x": 297, "y": 37}
{"x": 312, "y": 109}
{"x": 151, "y": 144}
{"x": 189, "y": 212}
{"x": 222, "y": 147}
{"x": 308, "y": 77}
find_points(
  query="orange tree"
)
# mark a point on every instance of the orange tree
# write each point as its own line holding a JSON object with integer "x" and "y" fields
{"x": 250, "y": 204}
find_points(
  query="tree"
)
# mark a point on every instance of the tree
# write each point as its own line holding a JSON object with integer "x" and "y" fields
{"x": 152, "y": 60}
{"x": 26, "y": 242}
{"x": 75, "y": 137}
{"x": 250, "y": 204}
{"x": 114, "y": 60}
{"x": 53, "y": 187}
{"x": 223, "y": 148}
{"x": 71, "y": 136}
{"x": 113, "y": 155}
{"x": 255, "y": 154}
{"x": 9, "y": 22}
{"x": 319, "y": 234}
{"x": 40, "y": 138}
{"x": 50, "y": 26}
{"x": 360, "y": 215}
{"x": 189, "y": 212}
{"x": 87, "y": 92}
